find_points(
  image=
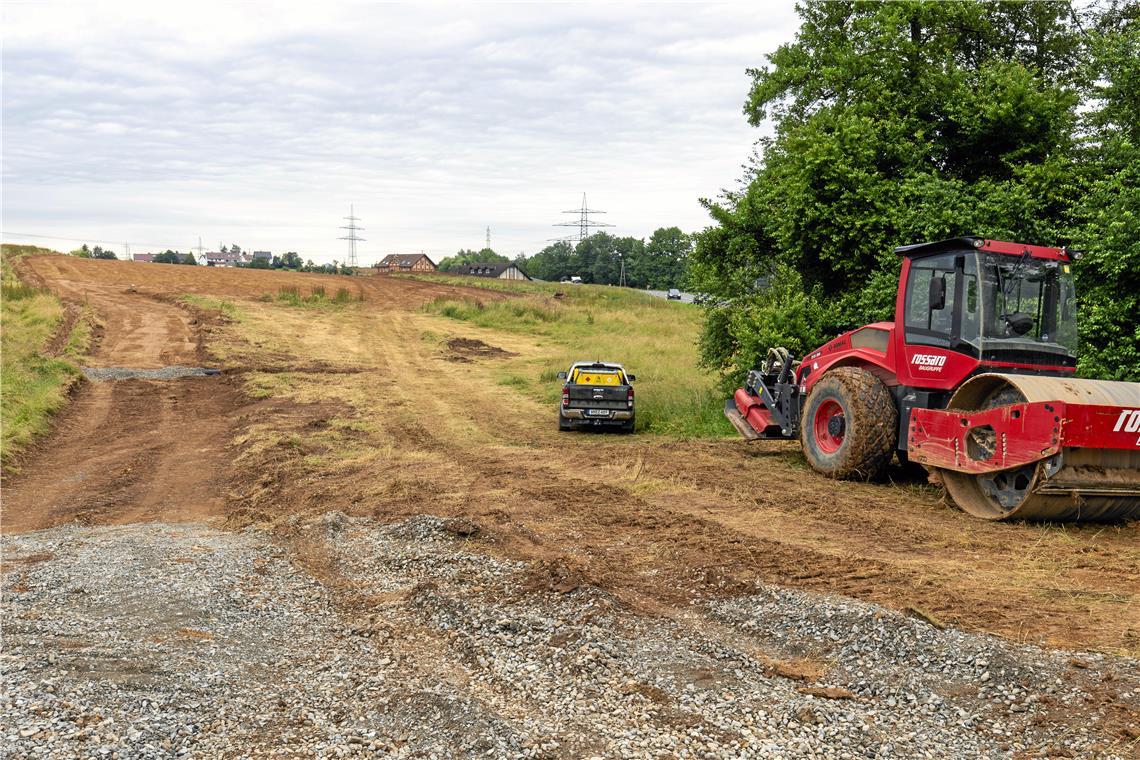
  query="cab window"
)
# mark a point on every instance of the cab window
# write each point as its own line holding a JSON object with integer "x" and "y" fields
{"x": 942, "y": 302}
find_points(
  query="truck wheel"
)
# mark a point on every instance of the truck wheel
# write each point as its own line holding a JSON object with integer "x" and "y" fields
{"x": 849, "y": 428}
{"x": 563, "y": 425}
{"x": 627, "y": 428}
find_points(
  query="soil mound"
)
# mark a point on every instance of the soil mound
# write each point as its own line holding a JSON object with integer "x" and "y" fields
{"x": 468, "y": 349}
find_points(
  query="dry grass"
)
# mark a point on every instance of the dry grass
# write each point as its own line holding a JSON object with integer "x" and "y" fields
{"x": 653, "y": 338}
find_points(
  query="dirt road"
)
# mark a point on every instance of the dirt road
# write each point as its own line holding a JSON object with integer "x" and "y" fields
{"x": 135, "y": 449}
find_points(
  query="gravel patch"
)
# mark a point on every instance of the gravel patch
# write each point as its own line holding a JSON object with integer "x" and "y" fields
{"x": 160, "y": 640}
{"x": 173, "y": 372}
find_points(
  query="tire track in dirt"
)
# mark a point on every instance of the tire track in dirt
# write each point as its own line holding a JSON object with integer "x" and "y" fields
{"x": 443, "y": 419}
{"x": 144, "y": 450}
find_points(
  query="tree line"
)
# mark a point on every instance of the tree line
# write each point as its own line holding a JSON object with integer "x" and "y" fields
{"x": 85, "y": 252}
{"x": 659, "y": 263}
{"x": 165, "y": 257}
{"x": 289, "y": 261}
{"x": 468, "y": 256}
{"x": 913, "y": 121}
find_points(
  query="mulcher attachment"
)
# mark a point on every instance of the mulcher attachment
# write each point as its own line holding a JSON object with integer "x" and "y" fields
{"x": 1035, "y": 448}
{"x": 768, "y": 406}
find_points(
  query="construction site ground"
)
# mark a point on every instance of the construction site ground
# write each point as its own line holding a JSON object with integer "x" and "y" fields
{"x": 357, "y": 486}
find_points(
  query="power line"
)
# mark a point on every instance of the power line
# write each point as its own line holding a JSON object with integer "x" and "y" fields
{"x": 352, "y": 237}
{"x": 584, "y": 223}
{"x": 5, "y": 233}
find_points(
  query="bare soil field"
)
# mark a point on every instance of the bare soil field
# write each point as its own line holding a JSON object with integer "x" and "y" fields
{"x": 382, "y": 412}
{"x": 144, "y": 449}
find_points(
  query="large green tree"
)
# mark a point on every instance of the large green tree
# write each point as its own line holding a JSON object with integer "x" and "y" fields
{"x": 664, "y": 260}
{"x": 600, "y": 258}
{"x": 552, "y": 263}
{"x": 893, "y": 123}
{"x": 1107, "y": 218}
{"x": 288, "y": 260}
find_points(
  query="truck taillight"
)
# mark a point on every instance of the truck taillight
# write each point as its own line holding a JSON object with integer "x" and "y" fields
{"x": 565, "y": 397}
{"x": 629, "y": 397}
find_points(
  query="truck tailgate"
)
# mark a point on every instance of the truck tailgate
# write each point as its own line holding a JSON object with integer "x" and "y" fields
{"x": 598, "y": 397}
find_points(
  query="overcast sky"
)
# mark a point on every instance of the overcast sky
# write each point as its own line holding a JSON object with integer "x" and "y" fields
{"x": 259, "y": 124}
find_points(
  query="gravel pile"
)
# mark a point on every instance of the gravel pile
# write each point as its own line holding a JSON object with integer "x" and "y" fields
{"x": 160, "y": 640}
{"x": 173, "y": 372}
{"x": 914, "y": 678}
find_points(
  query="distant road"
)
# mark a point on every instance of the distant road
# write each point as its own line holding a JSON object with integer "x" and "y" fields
{"x": 685, "y": 297}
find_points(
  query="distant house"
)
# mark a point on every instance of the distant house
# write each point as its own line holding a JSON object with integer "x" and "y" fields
{"x": 267, "y": 255}
{"x": 404, "y": 262}
{"x": 225, "y": 258}
{"x": 501, "y": 270}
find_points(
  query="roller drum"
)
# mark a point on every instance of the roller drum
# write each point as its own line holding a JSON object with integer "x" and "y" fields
{"x": 1077, "y": 484}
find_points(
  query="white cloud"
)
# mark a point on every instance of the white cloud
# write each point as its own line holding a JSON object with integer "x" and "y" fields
{"x": 258, "y": 124}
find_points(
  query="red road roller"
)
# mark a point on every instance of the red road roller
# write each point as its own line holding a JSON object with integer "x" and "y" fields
{"x": 974, "y": 379}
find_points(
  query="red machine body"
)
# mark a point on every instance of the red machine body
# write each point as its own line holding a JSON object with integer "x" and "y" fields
{"x": 1023, "y": 433}
{"x": 966, "y": 311}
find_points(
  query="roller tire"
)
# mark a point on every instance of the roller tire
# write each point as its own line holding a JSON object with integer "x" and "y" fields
{"x": 869, "y": 436}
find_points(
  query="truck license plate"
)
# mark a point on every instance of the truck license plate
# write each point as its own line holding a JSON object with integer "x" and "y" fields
{"x": 598, "y": 412}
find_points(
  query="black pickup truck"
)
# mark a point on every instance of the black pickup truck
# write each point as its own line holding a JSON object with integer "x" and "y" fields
{"x": 596, "y": 395}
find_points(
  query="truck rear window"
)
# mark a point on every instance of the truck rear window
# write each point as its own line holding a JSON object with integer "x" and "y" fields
{"x": 597, "y": 377}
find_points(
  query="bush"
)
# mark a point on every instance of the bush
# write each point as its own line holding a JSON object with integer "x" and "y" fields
{"x": 737, "y": 335}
